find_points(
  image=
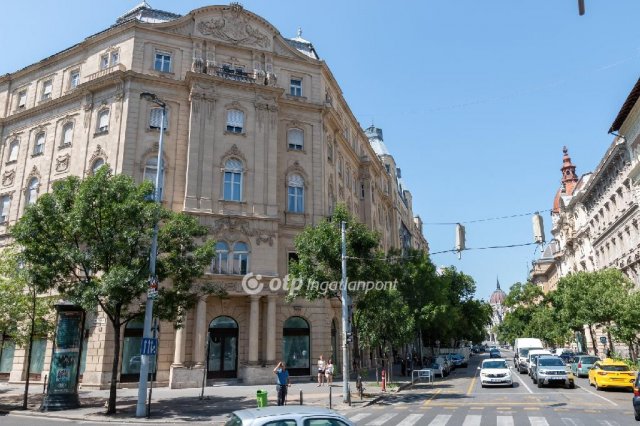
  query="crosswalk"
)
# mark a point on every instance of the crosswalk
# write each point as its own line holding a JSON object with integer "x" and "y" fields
{"x": 404, "y": 419}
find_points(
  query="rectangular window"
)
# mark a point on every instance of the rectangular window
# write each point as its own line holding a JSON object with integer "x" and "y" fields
{"x": 162, "y": 62}
{"x": 104, "y": 61}
{"x": 155, "y": 118}
{"x": 295, "y": 88}
{"x": 67, "y": 134}
{"x": 47, "y": 87}
{"x": 115, "y": 58}
{"x": 6, "y": 204}
{"x": 296, "y": 199}
{"x": 235, "y": 121}
{"x": 22, "y": 99}
{"x": 103, "y": 121}
{"x": 39, "y": 146}
{"x": 74, "y": 79}
{"x": 232, "y": 186}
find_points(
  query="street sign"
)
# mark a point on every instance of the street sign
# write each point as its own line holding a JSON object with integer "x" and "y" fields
{"x": 603, "y": 340}
{"x": 149, "y": 346}
{"x": 152, "y": 291}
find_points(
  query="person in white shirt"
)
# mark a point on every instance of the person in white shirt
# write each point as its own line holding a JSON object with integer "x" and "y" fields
{"x": 321, "y": 367}
{"x": 328, "y": 372}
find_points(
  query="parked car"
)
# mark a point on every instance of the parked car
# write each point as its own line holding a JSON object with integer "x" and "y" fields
{"x": 495, "y": 372}
{"x": 581, "y": 364}
{"x": 552, "y": 370}
{"x": 533, "y": 365}
{"x": 459, "y": 360}
{"x": 636, "y": 398}
{"x": 611, "y": 374}
{"x": 532, "y": 353}
{"x": 297, "y": 415}
{"x": 494, "y": 353}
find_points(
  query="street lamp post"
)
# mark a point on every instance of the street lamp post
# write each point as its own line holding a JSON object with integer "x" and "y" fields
{"x": 141, "y": 408}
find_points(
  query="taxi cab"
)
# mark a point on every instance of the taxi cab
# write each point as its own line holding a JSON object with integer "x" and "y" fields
{"x": 611, "y": 374}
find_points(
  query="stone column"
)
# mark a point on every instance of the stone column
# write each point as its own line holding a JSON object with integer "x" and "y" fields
{"x": 181, "y": 339}
{"x": 201, "y": 333}
{"x": 254, "y": 322}
{"x": 271, "y": 329}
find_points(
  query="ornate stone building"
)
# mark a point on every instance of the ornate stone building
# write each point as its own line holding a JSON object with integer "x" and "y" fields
{"x": 496, "y": 301}
{"x": 259, "y": 143}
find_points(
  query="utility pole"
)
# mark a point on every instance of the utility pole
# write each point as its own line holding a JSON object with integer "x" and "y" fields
{"x": 153, "y": 279}
{"x": 345, "y": 319}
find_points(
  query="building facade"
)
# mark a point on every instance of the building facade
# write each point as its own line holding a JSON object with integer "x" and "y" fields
{"x": 259, "y": 143}
{"x": 496, "y": 301}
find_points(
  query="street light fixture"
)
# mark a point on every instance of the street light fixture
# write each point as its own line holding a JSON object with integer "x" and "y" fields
{"x": 141, "y": 408}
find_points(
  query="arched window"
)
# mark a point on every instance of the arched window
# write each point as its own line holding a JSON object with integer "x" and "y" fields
{"x": 130, "y": 370}
{"x": 295, "y": 346}
{"x": 96, "y": 165}
{"x": 32, "y": 190}
{"x": 235, "y": 121}
{"x": 232, "y": 190}
{"x": 14, "y": 146}
{"x": 103, "y": 121}
{"x": 295, "y": 139}
{"x": 240, "y": 258}
{"x": 38, "y": 147}
{"x": 219, "y": 264}
{"x": 223, "y": 348}
{"x": 67, "y": 134}
{"x": 295, "y": 187}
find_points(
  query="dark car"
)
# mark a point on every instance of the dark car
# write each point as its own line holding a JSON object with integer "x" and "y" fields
{"x": 494, "y": 353}
{"x": 636, "y": 398}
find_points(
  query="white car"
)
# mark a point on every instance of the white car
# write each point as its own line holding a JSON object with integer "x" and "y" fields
{"x": 495, "y": 372}
{"x": 289, "y": 415}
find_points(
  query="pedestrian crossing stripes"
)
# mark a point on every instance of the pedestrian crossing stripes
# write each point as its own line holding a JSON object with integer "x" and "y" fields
{"x": 402, "y": 419}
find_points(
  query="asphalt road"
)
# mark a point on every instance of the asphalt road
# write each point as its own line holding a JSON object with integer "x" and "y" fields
{"x": 460, "y": 400}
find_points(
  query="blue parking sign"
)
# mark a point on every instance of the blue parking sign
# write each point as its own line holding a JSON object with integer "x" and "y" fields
{"x": 149, "y": 346}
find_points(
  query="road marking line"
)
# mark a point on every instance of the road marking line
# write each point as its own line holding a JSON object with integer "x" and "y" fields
{"x": 410, "y": 420}
{"x": 477, "y": 408}
{"x": 472, "y": 420}
{"x": 428, "y": 401}
{"x": 599, "y": 396}
{"x": 538, "y": 421}
{"x": 382, "y": 419}
{"x": 523, "y": 383}
{"x": 440, "y": 420}
{"x": 531, "y": 408}
{"x": 569, "y": 422}
{"x": 608, "y": 423}
{"x": 505, "y": 420}
{"x": 473, "y": 382}
{"x": 359, "y": 417}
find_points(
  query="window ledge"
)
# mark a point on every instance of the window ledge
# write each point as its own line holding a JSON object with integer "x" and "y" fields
{"x": 168, "y": 74}
{"x": 299, "y": 214}
{"x": 156, "y": 130}
{"x": 64, "y": 146}
{"x": 222, "y": 200}
{"x": 100, "y": 133}
{"x": 243, "y": 133}
{"x": 297, "y": 98}
{"x": 37, "y": 154}
{"x": 302, "y": 151}
{"x": 11, "y": 162}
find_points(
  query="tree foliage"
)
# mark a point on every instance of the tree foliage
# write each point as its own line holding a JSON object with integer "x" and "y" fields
{"x": 91, "y": 240}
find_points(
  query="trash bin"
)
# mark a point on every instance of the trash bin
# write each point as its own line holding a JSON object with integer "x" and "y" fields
{"x": 261, "y": 397}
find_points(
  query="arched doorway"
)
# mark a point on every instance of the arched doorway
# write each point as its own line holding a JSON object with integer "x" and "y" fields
{"x": 222, "y": 353}
{"x": 295, "y": 346}
{"x": 131, "y": 359}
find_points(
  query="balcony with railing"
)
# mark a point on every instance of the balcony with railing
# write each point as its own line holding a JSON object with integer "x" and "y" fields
{"x": 106, "y": 71}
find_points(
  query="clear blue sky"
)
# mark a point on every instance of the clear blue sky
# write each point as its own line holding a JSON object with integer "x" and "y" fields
{"x": 476, "y": 98}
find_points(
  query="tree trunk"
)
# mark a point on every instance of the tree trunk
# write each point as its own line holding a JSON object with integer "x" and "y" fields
{"x": 631, "y": 354}
{"x": 33, "y": 325}
{"x": 111, "y": 407}
{"x": 610, "y": 342}
{"x": 593, "y": 340}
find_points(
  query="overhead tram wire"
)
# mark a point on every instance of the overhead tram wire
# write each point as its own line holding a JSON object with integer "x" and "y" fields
{"x": 488, "y": 219}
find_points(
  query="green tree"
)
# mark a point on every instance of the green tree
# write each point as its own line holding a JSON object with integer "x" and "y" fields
{"x": 627, "y": 324}
{"x": 91, "y": 239}
{"x": 24, "y": 312}
{"x": 522, "y": 302}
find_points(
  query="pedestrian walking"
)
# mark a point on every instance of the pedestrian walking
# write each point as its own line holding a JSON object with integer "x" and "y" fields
{"x": 321, "y": 367}
{"x": 282, "y": 382}
{"x": 328, "y": 372}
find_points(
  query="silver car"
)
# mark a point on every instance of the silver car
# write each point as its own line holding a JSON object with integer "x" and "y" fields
{"x": 288, "y": 415}
{"x": 552, "y": 370}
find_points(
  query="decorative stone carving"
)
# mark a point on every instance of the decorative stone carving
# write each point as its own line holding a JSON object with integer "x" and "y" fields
{"x": 98, "y": 153}
{"x": 230, "y": 227}
{"x": 234, "y": 27}
{"x": 8, "y": 177}
{"x": 272, "y": 79}
{"x": 234, "y": 151}
{"x": 62, "y": 163}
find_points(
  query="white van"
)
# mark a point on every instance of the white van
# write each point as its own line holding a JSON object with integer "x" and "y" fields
{"x": 521, "y": 352}
{"x": 532, "y": 353}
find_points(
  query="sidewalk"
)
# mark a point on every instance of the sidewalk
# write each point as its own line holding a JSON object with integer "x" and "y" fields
{"x": 185, "y": 405}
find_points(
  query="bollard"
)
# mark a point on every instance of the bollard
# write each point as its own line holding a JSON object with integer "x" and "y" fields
{"x": 384, "y": 381}
{"x": 44, "y": 384}
{"x": 330, "y": 391}
{"x": 300, "y": 396}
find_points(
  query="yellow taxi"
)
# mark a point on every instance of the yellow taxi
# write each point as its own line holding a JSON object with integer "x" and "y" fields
{"x": 611, "y": 374}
